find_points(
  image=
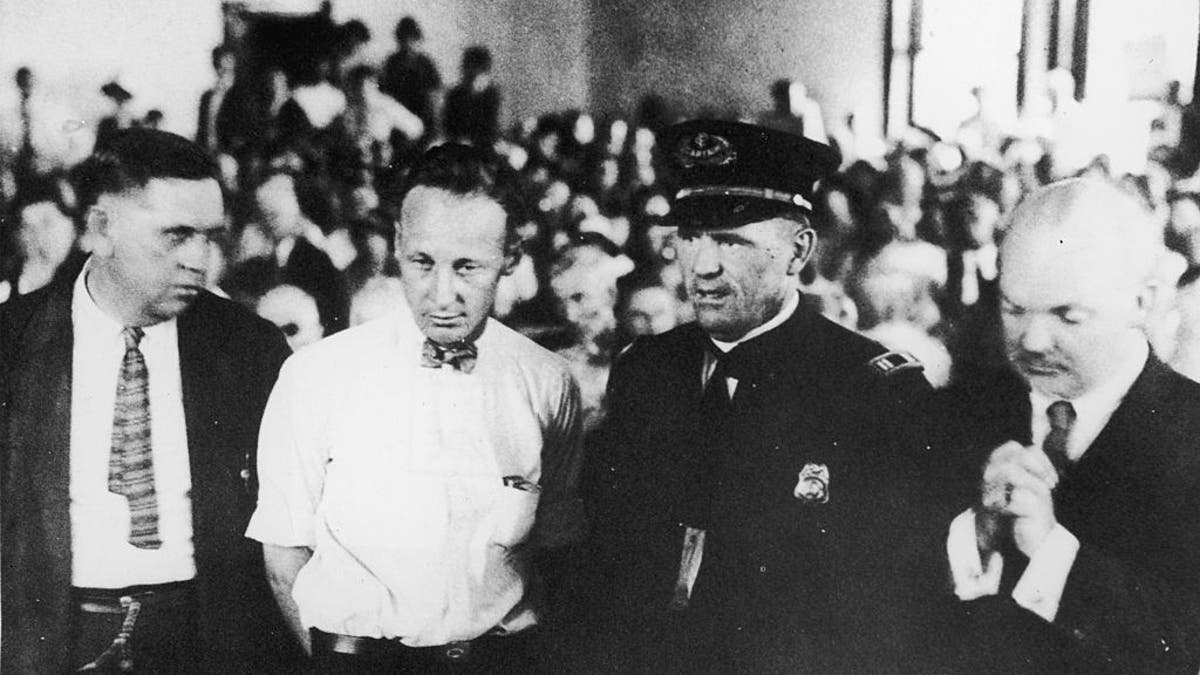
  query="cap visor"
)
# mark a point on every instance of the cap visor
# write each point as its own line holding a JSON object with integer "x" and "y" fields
{"x": 722, "y": 212}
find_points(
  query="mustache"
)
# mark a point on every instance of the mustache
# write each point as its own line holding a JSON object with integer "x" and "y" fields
{"x": 1030, "y": 361}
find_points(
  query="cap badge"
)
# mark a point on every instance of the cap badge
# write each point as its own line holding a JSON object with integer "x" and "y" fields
{"x": 813, "y": 486}
{"x": 704, "y": 149}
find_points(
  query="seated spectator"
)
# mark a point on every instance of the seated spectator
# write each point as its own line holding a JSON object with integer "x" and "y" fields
{"x": 472, "y": 112}
{"x": 647, "y": 307}
{"x": 294, "y": 312}
{"x": 584, "y": 281}
{"x": 374, "y": 122}
{"x": 296, "y": 251}
{"x": 44, "y": 240}
{"x": 409, "y": 76}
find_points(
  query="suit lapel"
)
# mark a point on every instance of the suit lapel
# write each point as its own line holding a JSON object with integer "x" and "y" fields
{"x": 1136, "y": 410}
{"x": 42, "y": 420}
{"x": 201, "y": 372}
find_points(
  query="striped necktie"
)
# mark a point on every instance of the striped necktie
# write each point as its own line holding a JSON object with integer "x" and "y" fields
{"x": 131, "y": 465}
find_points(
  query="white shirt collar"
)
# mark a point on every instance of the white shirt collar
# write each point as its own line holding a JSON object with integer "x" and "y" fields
{"x": 1093, "y": 408}
{"x": 789, "y": 308}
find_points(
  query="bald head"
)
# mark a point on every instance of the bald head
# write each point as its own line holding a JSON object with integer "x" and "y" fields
{"x": 1087, "y": 220}
{"x": 1076, "y": 283}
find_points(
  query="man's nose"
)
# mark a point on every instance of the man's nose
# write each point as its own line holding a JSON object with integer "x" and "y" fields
{"x": 707, "y": 261}
{"x": 194, "y": 254}
{"x": 444, "y": 291}
{"x": 1036, "y": 335}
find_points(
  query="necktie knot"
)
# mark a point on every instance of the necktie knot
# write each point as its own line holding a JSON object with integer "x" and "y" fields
{"x": 1061, "y": 415}
{"x": 460, "y": 355}
{"x": 133, "y": 337}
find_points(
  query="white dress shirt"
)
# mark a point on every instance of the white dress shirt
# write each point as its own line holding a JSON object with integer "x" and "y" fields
{"x": 394, "y": 475}
{"x": 101, "y": 555}
{"x": 1041, "y": 585}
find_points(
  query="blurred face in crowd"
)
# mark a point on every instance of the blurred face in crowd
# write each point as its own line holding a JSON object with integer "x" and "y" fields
{"x": 452, "y": 251}
{"x": 45, "y": 234}
{"x": 294, "y": 312}
{"x": 739, "y": 277}
{"x": 151, "y": 247}
{"x": 586, "y": 292}
{"x": 1075, "y": 287}
{"x": 276, "y": 200}
{"x": 650, "y": 311}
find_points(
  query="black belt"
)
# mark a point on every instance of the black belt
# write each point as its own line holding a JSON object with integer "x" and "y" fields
{"x": 462, "y": 651}
{"x": 117, "y": 600}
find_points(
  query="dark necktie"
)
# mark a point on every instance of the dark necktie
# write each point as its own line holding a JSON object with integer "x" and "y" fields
{"x": 712, "y": 432}
{"x": 460, "y": 355}
{"x": 1062, "y": 419}
{"x": 131, "y": 464}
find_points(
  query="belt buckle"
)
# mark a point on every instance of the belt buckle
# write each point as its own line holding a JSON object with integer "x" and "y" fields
{"x": 457, "y": 651}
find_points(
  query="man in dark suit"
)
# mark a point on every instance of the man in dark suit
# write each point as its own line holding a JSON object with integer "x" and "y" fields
{"x": 751, "y": 488}
{"x": 1081, "y": 551}
{"x": 130, "y": 399}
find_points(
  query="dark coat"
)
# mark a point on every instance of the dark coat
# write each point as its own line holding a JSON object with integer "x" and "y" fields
{"x": 229, "y": 361}
{"x": 784, "y": 586}
{"x": 1132, "y": 600}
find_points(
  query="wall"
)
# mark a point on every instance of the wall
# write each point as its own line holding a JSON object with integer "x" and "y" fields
{"x": 549, "y": 54}
{"x": 538, "y": 47}
{"x": 725, "y": 53}
{"x": 160, "y": 51}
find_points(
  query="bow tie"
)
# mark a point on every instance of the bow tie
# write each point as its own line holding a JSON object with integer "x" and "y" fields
{"x": 460, "y": 355}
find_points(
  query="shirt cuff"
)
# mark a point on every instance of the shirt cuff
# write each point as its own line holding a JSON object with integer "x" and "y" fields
{"x": 972, "y": 579}
{"x": 1040, "y": 588}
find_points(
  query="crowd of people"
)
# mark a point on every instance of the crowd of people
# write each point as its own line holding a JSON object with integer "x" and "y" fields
{"x": 907, "y": 245}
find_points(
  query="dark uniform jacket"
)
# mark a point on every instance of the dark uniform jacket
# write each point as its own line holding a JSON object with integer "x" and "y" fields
{"x": 785, "y": 584}
{"x": 1132, "y": 600}
{"x": 229, "y": 361}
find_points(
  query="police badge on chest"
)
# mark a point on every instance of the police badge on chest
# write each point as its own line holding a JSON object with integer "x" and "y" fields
{"x": 813, "y": 486}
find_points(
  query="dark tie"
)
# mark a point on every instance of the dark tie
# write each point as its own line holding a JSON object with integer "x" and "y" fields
{"x": 1062, "y": 418}
{"x": 131, "y": 464}
{"x": 712, "y": 433}
{"x": 460, "y": 355}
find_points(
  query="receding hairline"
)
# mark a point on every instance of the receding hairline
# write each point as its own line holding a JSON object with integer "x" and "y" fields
{"x": 1087, "y": 211}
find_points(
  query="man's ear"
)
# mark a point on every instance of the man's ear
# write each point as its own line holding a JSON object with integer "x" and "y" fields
{"x": 98, "y": 232}
{"x": 804, "y": 242}
{"x": 1149, "y": 297}
{"x": 512, "y": 253}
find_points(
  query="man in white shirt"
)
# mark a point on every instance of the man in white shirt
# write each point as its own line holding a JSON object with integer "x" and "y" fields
{"x": 1080, "y": 552}
{"x": 129, "y": 402}
{"x": 416, "y": 467}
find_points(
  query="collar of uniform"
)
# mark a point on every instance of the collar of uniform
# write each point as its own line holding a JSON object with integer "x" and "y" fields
{"x": 88, "y": 319}
{"x": 1093, "y": 408}
{"x": 785, "y": 313}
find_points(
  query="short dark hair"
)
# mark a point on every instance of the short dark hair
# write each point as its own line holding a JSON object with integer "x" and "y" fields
{"x": 476, "y": 59}
{"x": 137, "y": 155}
{"x": 408, "y": 29}
{"x": 465, "y": 171}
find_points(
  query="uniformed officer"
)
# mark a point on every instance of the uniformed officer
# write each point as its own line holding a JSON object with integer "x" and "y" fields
{"x": 752, "y": 487}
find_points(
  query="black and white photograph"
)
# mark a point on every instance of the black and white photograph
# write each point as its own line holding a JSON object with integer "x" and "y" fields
{"x": 508, "y": 337}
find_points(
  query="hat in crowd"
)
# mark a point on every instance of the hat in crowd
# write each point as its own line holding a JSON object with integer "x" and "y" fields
{"x": 116, "y": 92}
{"x": 730, "y": 174}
